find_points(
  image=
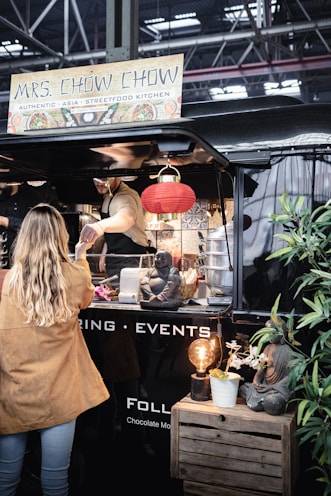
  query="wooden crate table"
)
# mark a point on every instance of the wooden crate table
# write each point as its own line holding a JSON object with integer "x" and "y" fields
{"x": 232, "y": 451}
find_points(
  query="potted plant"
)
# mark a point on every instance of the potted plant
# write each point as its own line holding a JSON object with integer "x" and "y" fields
{"x": 307, "y": 238}
{"x": 224, "y": 384}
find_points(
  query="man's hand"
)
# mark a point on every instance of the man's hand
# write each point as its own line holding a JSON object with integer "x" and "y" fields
{"x": 90, "y": 233}
{"x": 102, "y": 263}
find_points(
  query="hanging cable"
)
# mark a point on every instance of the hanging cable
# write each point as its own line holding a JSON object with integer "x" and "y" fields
{"x": 222, "y": 206}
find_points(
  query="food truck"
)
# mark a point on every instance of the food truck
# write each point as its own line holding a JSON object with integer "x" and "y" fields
{"x": 238, "y": 157}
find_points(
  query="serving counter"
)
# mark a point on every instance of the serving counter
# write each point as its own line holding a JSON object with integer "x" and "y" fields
{"x": 162, "y": 340}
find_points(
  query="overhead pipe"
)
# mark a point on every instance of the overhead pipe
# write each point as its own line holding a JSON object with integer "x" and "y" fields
{"x": 294, "y": 27}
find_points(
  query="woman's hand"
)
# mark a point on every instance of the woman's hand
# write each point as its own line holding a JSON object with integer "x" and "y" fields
{"x": 80, "y": 249}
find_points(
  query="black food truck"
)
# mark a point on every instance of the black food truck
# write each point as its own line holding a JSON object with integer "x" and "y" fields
{"x": 245, "y": 152}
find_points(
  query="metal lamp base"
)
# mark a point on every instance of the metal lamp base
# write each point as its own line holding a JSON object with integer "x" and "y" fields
{"x": 200, "y": 388}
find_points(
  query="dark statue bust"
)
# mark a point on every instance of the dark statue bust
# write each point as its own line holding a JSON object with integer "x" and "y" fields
{"x": 269, "y": 390}
{"x": 160, "y": 286}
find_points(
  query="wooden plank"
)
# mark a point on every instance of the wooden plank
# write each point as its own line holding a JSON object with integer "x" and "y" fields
{"x": 236, "y": 438}
{"x": 264, "y": 467}
{"x": 295, "y": 454}
{"x": 255, "y": 452}
{"x": 241, "y": 410}
{"x": 232, "y": 421}
{"x": 174, "y": 442}
{"x": 192, "y": 488}
{"x": 228, "y": 478}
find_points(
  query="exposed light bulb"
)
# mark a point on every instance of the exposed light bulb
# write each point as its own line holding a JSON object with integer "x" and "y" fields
{"x": 201, "y": 353}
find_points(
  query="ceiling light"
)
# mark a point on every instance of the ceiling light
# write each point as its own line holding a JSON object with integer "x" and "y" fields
{"x": 228, "y": 92}
{"x": 236, "y": 12}
{"x": 186, "y": 16}
{"x": 288, "y": 87}
{"x": 180, "y": 21}
{"x": 10, "y": 47}
{"x": 155, "y": 20}
{"x": 176, "y": 24}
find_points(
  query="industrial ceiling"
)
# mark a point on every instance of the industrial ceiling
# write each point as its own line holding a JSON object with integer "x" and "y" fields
{"x": 233, "y": 43}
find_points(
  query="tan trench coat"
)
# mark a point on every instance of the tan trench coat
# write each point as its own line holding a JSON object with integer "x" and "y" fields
{"x": 47, "y": 376}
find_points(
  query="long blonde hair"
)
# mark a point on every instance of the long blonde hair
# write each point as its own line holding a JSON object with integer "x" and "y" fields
{"x": 36, "y": 284}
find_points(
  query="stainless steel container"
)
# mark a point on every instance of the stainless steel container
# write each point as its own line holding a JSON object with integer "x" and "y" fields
{"x": 219, "y": 253}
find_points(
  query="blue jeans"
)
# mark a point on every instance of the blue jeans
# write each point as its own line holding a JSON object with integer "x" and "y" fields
{"x": 56, "y": 446}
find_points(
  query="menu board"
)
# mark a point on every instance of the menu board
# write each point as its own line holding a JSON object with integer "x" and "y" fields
{"x": 96, "y": 95}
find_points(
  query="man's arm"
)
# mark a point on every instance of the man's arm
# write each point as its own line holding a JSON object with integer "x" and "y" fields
{"x": 118, "y": 223}
{"x": 4, "y": 221}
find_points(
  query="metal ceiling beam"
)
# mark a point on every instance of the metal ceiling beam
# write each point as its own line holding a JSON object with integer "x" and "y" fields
{"x": 317, "y": 31}
{"x": 122, "y": 30}
{"x": 59, "y": 57}
{"x": 176, "y": 44}
{"x": 294, "y": 27}
{"x": 38, "y": 21}
{"x": 80, "y": 24}
{"x": 258, "y": 69}
{"x": 246, "y": 70}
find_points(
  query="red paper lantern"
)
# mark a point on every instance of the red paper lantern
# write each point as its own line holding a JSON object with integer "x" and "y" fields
{"x": 168, "y": 196}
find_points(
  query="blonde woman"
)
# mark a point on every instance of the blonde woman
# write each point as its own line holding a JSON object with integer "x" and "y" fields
{"x": 47, "y": 377}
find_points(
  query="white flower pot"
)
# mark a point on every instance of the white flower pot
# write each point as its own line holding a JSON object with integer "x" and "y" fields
{"x": 224, "y": 392}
